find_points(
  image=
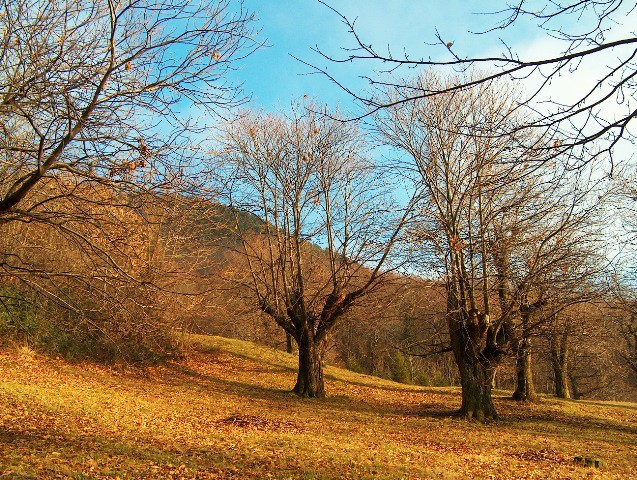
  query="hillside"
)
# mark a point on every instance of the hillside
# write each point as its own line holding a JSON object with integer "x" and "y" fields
{"x": 225, "y": 412}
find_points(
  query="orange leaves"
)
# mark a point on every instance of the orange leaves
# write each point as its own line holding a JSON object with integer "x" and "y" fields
{"x": 223, "y": 412}
{"x": 143, "y": 149}
{"x": 456, "y": 243}
{"x": 258, "y": 422}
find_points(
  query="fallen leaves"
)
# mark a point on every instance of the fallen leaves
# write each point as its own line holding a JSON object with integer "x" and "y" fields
{"x": 226, "y": 412}
{"x": 260, "y": 423}
{"x": 541, "y": 455}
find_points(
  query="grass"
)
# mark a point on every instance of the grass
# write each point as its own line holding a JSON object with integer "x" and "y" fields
{"x": 226, "y": 412}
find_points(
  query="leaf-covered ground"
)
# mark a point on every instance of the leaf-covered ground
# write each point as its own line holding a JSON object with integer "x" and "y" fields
{"x": 225, "y": 412}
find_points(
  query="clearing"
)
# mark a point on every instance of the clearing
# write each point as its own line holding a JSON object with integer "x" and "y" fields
{"x": 226, "y": 412}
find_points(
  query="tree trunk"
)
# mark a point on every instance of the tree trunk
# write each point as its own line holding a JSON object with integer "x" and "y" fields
{"x": 476, "y": 375}
{"x": 559, "y": 361}
{"x": 476, "y": 381}
{"x": 574, "y": 391}
{"x": 476, "y": 367}
{"x": 288, "y": 343}
{"x": 561, "y": 381}
{"x": 524, "y": 388}
{"x": 309, "y": 380}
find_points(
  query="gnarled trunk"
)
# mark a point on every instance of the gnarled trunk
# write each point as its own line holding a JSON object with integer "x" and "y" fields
{"x": 476, "y": 380}
{"x": 477, "y": 373}
{"x": 524, "y": 388}
{"x": 309, "y": 380}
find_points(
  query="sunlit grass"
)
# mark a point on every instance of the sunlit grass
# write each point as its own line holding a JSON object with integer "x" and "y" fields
{"x": 226, "y": 411}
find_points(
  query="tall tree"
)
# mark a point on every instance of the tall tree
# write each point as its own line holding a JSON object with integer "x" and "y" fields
{"x": 624, "y": 314}
{"x": 92, "y": 92}
{"x": 328, "y": 226}
{"x": 91, "y": 102}
{"x": 559, "y": 261}
{"x": 492, "y": 213}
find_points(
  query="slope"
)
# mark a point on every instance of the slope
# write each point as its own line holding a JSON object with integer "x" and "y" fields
{"x": 225, "y": 412}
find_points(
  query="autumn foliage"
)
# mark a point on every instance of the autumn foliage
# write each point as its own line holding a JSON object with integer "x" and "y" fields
{"x": 225, "y": 412}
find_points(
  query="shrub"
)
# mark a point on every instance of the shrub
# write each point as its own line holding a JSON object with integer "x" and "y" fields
{"x": 353, "y": 364}
{"x": 130, "y": 331}
{"x": 400, "y": 369}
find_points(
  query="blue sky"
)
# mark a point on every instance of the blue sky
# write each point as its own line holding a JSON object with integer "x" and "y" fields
{"x": 294, "y": 27}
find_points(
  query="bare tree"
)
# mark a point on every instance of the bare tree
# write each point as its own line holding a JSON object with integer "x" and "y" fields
{"x": 588, "y": 33}
{"x": 623, "y": 303}
{"x": 629, "y": 329}
{"x": 93, "y": 91}
{"x": 92, "y": 96}
{"x": 563, "y": 261}
{"x": 328, "y": 226}
{"x": 493, "y": 217}
{"x": 623, "y": 307}
{"x": 585, "y": 343}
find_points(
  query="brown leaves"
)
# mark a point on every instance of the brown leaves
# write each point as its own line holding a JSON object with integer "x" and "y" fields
{"x": 225, "y": 412}
{"x": 541, "y": 455}
{"x": 256, "y": 422}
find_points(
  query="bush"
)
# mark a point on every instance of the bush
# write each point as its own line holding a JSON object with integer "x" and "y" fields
{"x": 353, "y": 364}
{"x": 122, "y": 333}
{"x": 400, "y": 369}
{"x": 18, "y": 316}
{"x": 130, "y": 330}
{"x": 427, "y": 379}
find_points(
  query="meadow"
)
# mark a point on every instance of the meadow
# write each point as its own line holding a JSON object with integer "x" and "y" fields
{"x": 225, "y": 411}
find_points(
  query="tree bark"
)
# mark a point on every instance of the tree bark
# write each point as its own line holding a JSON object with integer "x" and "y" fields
{"x": 476, "y": 381}
{"x": 574, "y": 389}
{"x": 309, "y": 380}
{"x": 476, "y": 374}
{"x": 559, "y": 361}
{"x": 288, "y": 343}
{"x": 524, "y": 388}
{"x": 561, "y": 381}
